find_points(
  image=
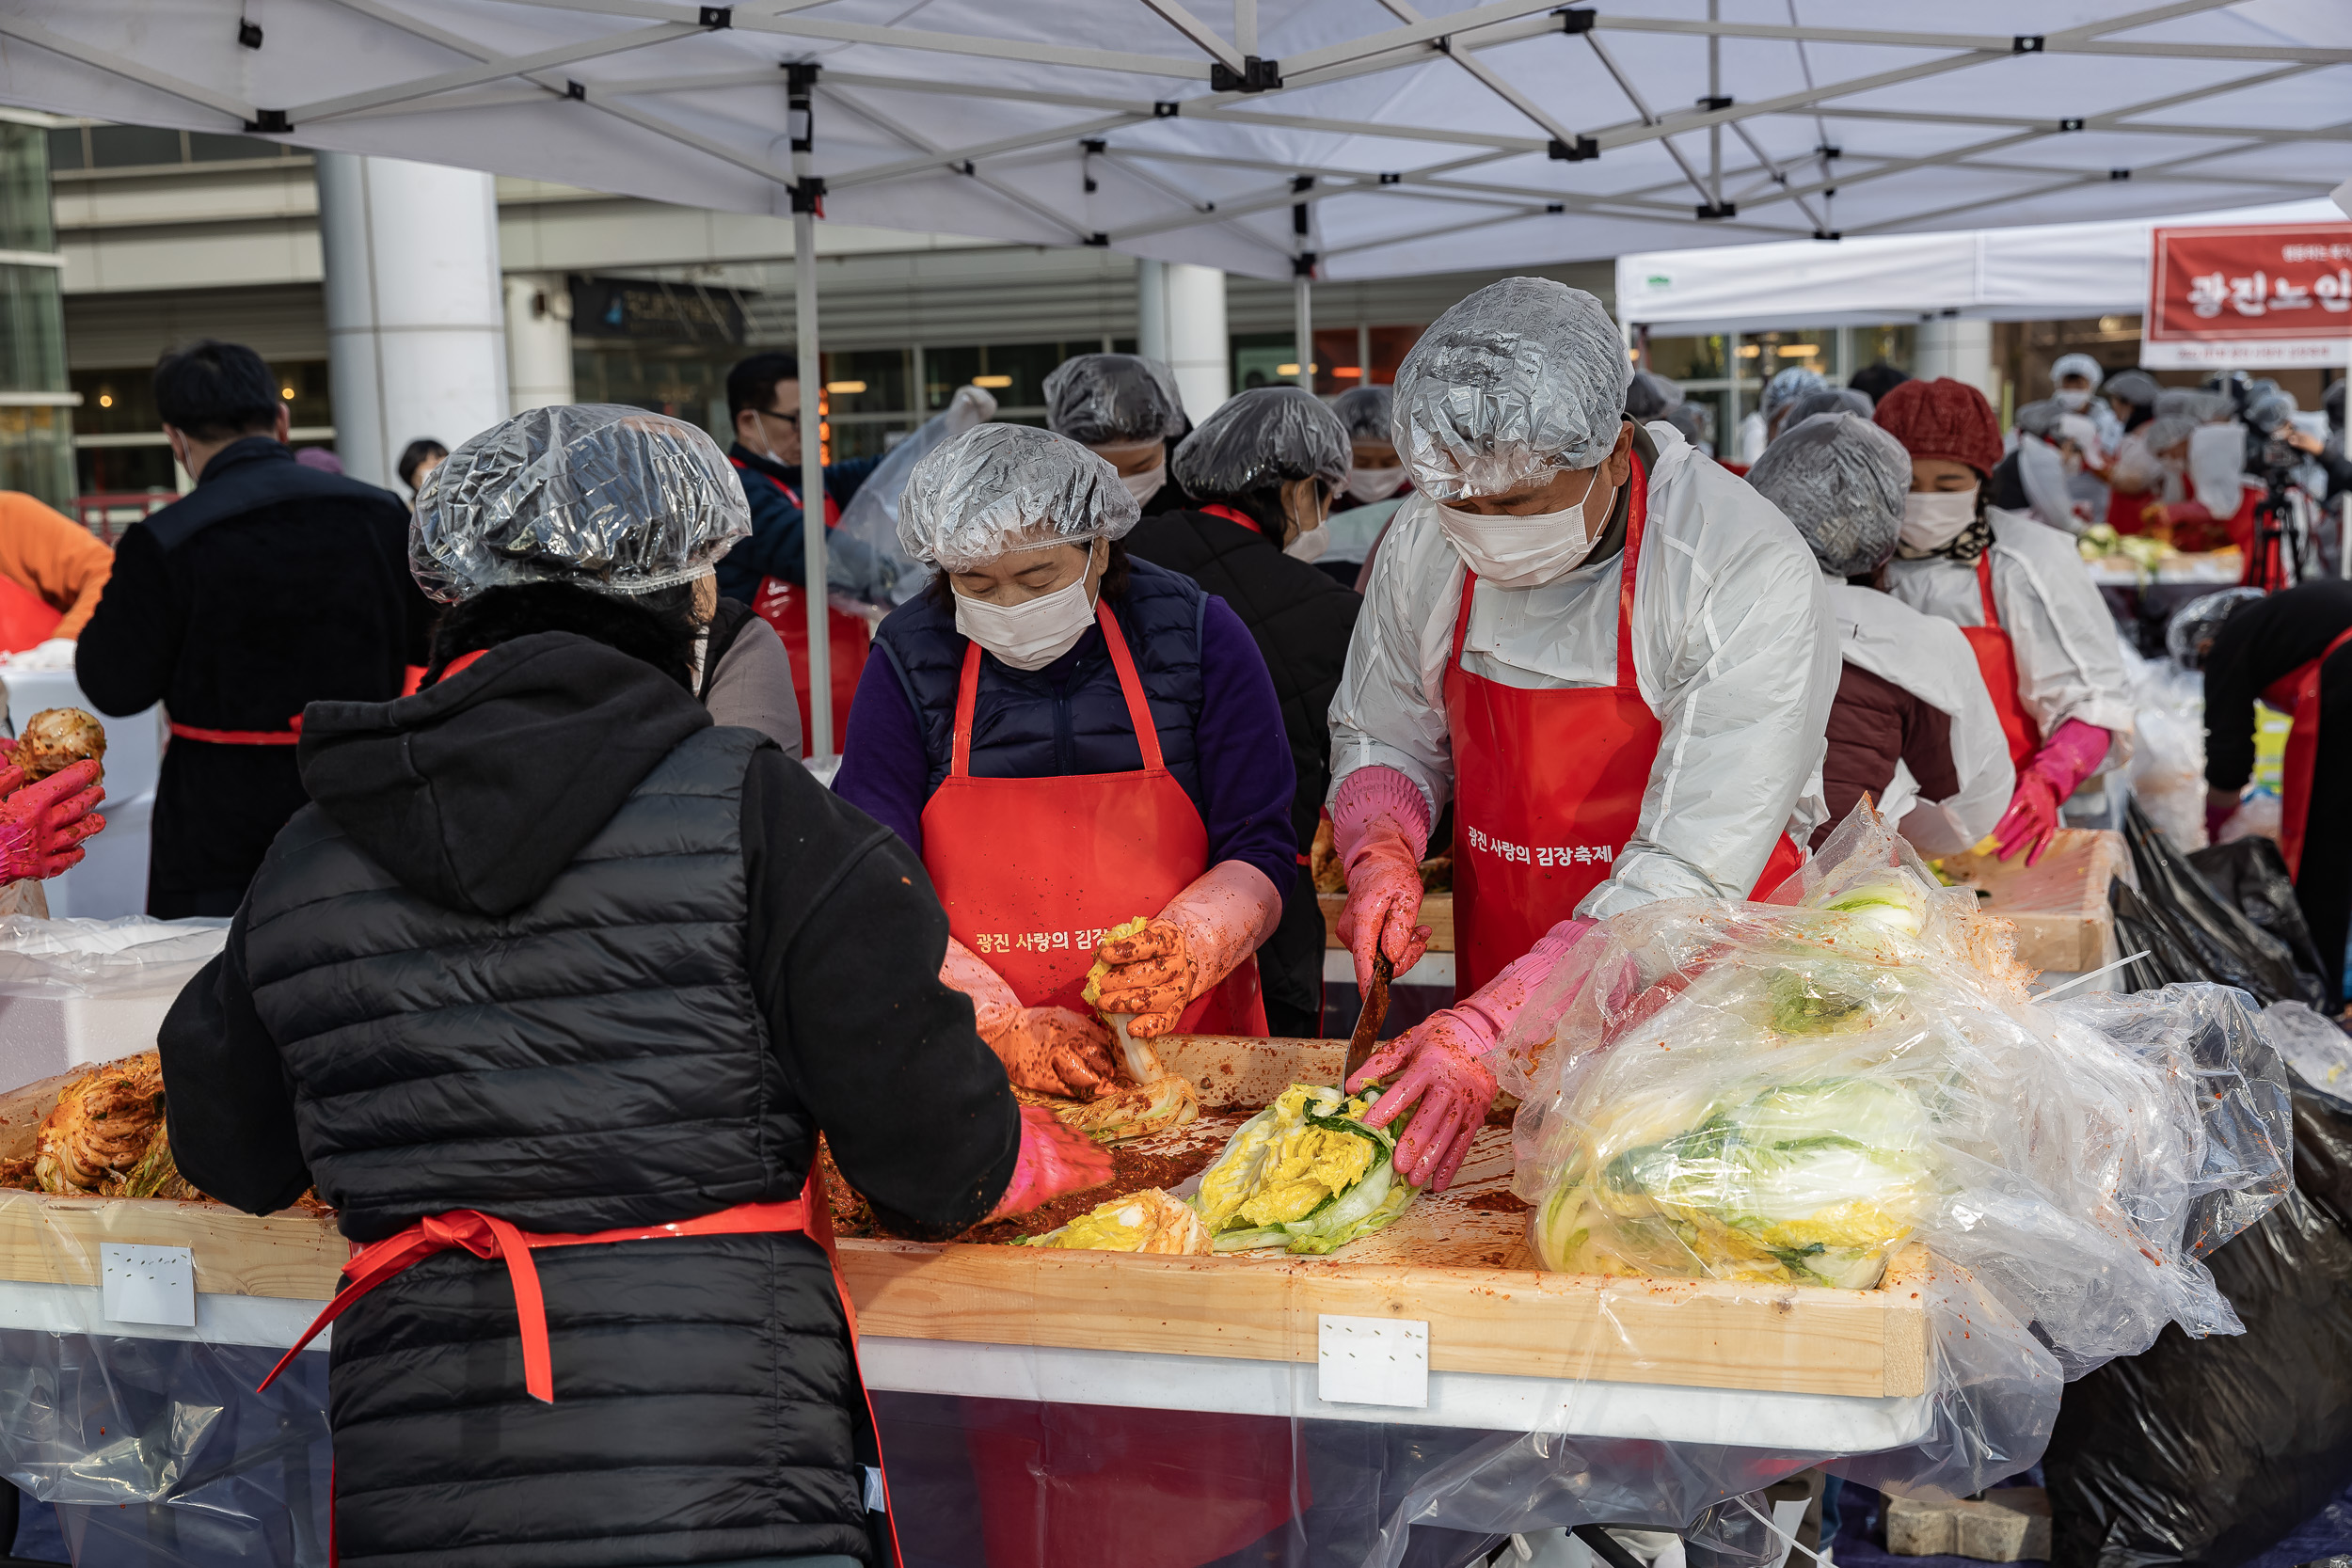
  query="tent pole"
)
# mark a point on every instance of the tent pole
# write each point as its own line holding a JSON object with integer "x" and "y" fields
{"x": 1728, "y": 439}
{"x": 1303, "y": 304}
{"x": 813, "y": 575}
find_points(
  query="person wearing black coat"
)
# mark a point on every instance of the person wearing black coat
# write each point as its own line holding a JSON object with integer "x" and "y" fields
{"x": 268, "y": 587}
{"x": 552, "y": 950}
{"x": 1264, "y": 468}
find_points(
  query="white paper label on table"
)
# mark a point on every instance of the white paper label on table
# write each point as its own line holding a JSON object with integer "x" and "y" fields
{"x": 1371, "y": 1361}
{"x": 149, "y": 1284}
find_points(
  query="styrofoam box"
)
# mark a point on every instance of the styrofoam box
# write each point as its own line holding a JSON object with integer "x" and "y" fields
{"x": 41, "y": 1036}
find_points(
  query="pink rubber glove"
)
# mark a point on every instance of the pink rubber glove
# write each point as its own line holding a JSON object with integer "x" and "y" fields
{"x": 2065, "y": 760}
{"x": 1445, "y": 1077}
{"x": 43, "y": 825}
{"x": 1380, "y": 826}
{"x": 1199, "y": 939}
{"x": 1053, "y": 1160}
{"x": 1046, "y": 1049}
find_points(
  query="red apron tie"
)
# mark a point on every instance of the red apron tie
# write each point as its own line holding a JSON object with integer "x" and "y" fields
{"x": 1996, "y": 662}
{"x": 290, "y": 736}
{"x": 2296, "y": 693}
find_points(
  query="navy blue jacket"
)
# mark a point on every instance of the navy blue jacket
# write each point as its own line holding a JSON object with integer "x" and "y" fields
{"x": 773, "y": 550}
{"x": 269, "y": 587}
{"x": 1219, "y": 722}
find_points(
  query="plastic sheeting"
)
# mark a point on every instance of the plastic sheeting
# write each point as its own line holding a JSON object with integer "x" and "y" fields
{"x": 1523, "y": 379}
{"x": 1006, "y": 487}
{"x": 864, "y": 560}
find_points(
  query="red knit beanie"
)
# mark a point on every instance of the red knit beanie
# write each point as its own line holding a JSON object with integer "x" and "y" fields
{"x": 1943, "y": 418}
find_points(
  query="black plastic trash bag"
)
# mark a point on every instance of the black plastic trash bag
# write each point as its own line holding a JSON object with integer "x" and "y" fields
{"x": 2207, "y": 1451}
{"x": 2251, "y": 874}
{"x": 2206, "y": 936}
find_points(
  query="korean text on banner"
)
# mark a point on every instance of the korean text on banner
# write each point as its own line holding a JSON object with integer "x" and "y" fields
{"x": 2253, "y": 295}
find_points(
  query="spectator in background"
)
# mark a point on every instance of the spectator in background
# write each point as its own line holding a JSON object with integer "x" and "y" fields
{"x": 52, "y": 571}
{"x": 418, "y": 458}
{"x": 268, "y": 587}
{"x": 1377, "y": 484}
{"x": 1126, "y": 410}
{"x": 1875, "y": 380}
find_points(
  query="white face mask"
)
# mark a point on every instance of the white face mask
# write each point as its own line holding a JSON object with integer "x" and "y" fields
{"x": 1934, "y": 518}
{"x": 1311, "y": 545}
{"x": 1525, "y": 552}
{"x": 2075, "y": 398}
{"x": 1374, "y": 485}
{"x": 1032, "y": 634}
{"x": 1143, "y": 486}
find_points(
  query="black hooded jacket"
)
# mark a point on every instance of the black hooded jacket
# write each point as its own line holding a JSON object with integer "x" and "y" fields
{"x": 552, "y": 945}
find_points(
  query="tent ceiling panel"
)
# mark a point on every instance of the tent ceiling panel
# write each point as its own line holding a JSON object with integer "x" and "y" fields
{"x": 1436, "y": 134}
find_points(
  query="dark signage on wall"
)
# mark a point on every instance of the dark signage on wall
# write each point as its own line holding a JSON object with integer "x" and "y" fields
{"x": 640, "y": 308}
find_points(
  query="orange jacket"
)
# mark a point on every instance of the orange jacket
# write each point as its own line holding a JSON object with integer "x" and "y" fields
{"x": 54, "y": 555}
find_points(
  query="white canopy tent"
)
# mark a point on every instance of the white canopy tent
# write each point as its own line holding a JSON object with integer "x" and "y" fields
{"x": 2025, "y": 273}
{"x": 1282, "y": 138}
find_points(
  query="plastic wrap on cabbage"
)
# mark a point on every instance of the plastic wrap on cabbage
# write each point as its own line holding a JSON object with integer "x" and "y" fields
{"x": 1786, "y": 1094}
{"x": 1305, "y": 1174}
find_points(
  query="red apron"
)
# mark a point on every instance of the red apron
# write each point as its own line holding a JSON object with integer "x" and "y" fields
{"x": 26, "y": 619}
{"x": 783, "y": 605}
{"x": 487, "y": 1236}
{"x": 1032, "y": 872}
{"x": 1548, "y": 787}
{"x": 2296, "y": 693}
{"x": 1997, "y": 660}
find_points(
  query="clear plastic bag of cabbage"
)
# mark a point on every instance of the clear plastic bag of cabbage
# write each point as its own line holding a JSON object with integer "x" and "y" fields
{"x": 1786, "y": 1094}
{"x": 1305, "y": 1174}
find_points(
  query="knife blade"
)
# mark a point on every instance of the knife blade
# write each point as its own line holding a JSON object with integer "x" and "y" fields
{"x": 1375, "y": 1013}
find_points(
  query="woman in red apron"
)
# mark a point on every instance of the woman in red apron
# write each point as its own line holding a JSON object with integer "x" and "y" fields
{"x": 1612, "y": 656}
{"x": 2060, "y": 691}
{"x": 1087, "y": 752}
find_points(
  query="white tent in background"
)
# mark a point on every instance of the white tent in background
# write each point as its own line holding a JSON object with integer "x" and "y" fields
{"x": 1335, "y": 138}
{"x": 2026, "y": 274}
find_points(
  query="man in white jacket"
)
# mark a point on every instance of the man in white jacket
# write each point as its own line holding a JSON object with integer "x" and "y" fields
{"x": 1596, "y": 760}
{"x": 1913, "y": 724}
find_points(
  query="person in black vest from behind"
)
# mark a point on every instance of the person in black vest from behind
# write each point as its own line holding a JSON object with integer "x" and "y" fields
{"x": 1263, "y": 468}
{"x": 553, "y": 953}
{"x": 268, "y": 587}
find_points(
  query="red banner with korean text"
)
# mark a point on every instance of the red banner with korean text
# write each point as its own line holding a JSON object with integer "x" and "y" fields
{"x": 2259, "y": 295}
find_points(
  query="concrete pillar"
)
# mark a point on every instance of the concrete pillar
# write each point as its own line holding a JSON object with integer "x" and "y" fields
{"x": 538, "y": 340}
{"x": 1960, "y": 349}
{"x": 415, "y": 341}
{"x": 1180, "y": 311}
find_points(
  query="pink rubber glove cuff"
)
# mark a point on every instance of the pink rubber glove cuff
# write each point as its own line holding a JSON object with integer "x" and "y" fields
{"x": 2065, "y": 760}
{"x": 1368, "y": 794}
{"x": 1053, "y": 1160}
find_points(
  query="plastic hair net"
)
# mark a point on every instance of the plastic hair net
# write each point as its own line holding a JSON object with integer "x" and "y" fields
{"x": 1786, "y": 388}
{"x": 1696, "y": 421}
{"x": 1366, "y": 413}
{"x": 2134, "y": 386}
{"x": 1107, "y": 399}
{"x": 2077, "y": 364}
{"x": 1261, "y": 437}
{"x": 1840, "y": 479}
{"x": 1651, "y": 395}
{"x": 2194, "y": 403}
{"x": 2167, "y": 431}
{"x": 1829, "y": 400}
{"x": 2041, "y": 419}
{"x": 596, "y": 494}
{"x": 1006, "y": 487}
{"x": 1524, "y": 379}
{"x": 2188, "y": 636}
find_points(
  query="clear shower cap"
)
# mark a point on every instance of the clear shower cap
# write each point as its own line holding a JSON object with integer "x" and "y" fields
{"x": 2167, "y": 431}
{"x": 2194, "y": 403}
{"x": 1366, "y": 412}
{"x": 2188, "y": 636}
{"x": 598, "y": 493}
{"x": 1005, "y": 487}
{"x": 2041, "y": 418}
{"x": 1524, "y": 379}
{"x": 1841, "y": 480}
{"x": 2077, "y": 364}
{"x": 1261, "y": 437}
{"x": 1651, "y": 395}
{"x": 1829, "y": 400}
{"x": 1104, "y": 400}
{"x": 1787, "y": 388}
{"x": 2135, "y": 387}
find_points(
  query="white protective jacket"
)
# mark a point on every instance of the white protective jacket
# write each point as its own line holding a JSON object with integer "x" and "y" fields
{"x": 1733, "y": 648}
{"x": 2070, "y": 663}
{"x": 1931, "y": 661}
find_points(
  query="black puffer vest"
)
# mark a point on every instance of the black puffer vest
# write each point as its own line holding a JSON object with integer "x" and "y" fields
{"x": 593, "y": 1060}
{"x": 1067, "y": 718}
